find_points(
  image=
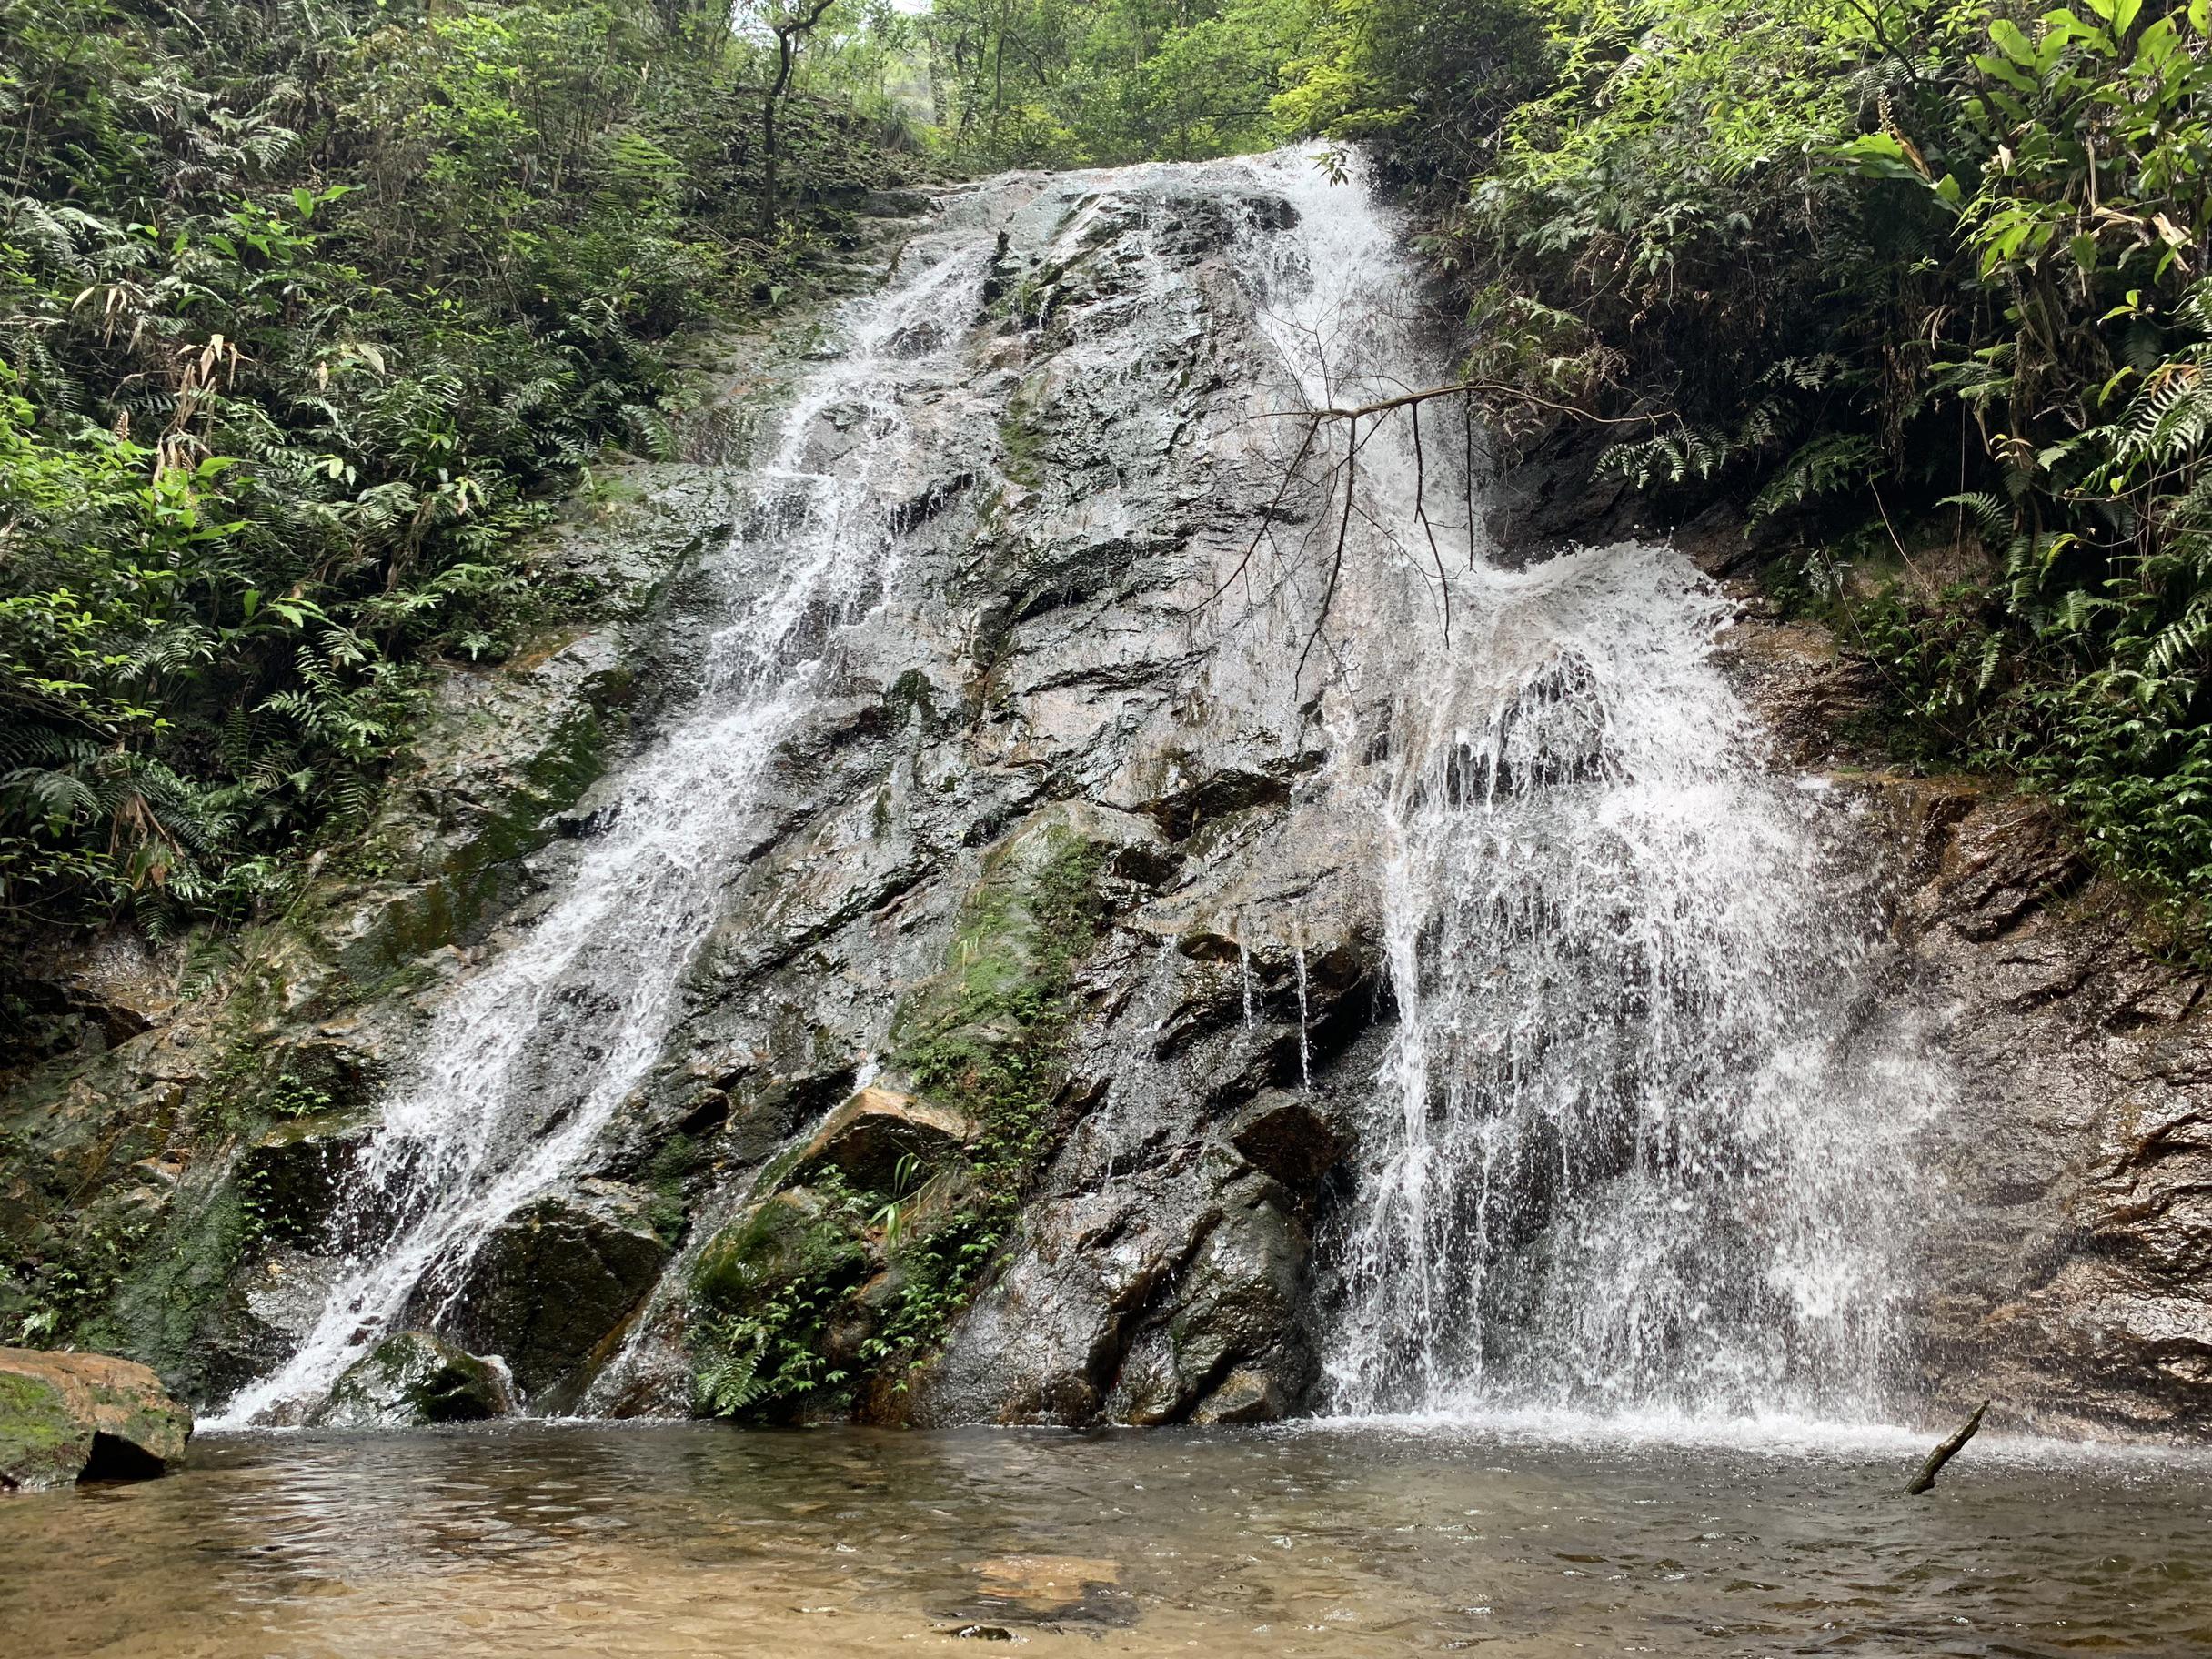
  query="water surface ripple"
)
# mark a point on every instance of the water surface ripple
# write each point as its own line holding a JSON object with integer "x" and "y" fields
{"x": 557, "y": 1539}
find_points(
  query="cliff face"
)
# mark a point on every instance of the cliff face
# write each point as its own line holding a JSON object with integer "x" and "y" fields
{"x": 1046, "y": 988}
{"x": 2067, "y": 1215}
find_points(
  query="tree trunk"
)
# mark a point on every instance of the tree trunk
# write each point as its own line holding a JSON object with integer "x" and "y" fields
{"x": 784, "y": 56}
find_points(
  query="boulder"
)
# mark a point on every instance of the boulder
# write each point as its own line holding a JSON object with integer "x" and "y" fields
{"x": 1287, "y": 1136}
{"x": 554, "y": 1279}
{"x": 865, "y": 1139}
{"x": 66, "y": 1417}
{"x": 412, "y": 1378}
{"x": 295, "y": 1171}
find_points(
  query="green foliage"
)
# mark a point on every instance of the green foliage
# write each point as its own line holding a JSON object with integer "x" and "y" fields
{"x": 758, "y": 1360}
{"x": 1074, "y": 82}
{"x": 305, "y": 312}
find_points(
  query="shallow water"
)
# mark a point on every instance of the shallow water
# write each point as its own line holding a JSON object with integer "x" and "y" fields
{"x": 549, "y": 1539}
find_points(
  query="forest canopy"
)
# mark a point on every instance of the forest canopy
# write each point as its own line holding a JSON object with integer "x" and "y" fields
{"x": 309, "y": 309}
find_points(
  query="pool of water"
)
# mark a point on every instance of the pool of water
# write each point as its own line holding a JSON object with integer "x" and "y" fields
{"x": 552, "y": 1539}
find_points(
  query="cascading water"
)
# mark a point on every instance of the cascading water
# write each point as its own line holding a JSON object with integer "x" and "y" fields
{"x": 528, "y": 1062}
{"x": 1633, "y": 1151}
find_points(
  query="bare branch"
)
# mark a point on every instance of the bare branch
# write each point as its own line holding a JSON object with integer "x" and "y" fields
{"x": 1336, "y": 562}
{"x": 1478, "y": 389}
{"x": 1421, "y": 512}
{"x": 1266, "y": 519}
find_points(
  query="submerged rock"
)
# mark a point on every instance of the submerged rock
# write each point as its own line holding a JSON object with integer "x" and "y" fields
{"x": 411, "y": 1378}
{"x": 66, "y": 1417}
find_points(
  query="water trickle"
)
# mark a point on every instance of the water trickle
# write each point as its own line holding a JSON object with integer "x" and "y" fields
{"x": 1305, "y": 1041}
{"x": 1244, "y": 975}
{"x": 527, "y": 1063}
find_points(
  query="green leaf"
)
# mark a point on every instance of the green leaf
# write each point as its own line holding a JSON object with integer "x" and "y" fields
{"x": 2011, "y": 41}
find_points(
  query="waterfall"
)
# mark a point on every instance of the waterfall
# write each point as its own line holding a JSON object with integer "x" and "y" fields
{"x": 527, "y": 1063}
{"x": 1634, "y": 1147}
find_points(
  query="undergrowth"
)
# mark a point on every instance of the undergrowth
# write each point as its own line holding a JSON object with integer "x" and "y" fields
{"x": 988, "y": 1037}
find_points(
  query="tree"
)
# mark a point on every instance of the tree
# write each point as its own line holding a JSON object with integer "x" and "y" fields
{"x": 791, "y": 22}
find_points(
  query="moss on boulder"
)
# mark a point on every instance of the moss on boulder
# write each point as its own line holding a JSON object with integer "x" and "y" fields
{"x": 65, "y": 1417}
{"x": 795, "y": 1237}
{"x": 411, "y": 1378}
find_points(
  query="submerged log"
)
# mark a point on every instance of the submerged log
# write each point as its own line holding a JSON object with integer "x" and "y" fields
{"x": 1945, "y": 1452}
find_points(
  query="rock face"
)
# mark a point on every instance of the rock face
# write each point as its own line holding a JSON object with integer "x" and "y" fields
{"x": 1014, "y": 1078}
{"x": 412, "y": 1379}
{"x": 66, "y": 1417}
{"x": 2069, "y": 1273}
{"x": 2069, "y": 1213}
{"x": 870, "y": 1136}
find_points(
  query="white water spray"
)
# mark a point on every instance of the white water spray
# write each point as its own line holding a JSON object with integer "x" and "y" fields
{"x": 1635, "y": 1150}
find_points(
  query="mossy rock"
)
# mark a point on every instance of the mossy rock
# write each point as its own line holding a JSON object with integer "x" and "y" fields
{"x": 42, "y": 1443}
{"x": 65, "y": 1417}
{"x": 1033, "y": 915}
{"x": 411, "y": 1378}
{"x": 797, "y": 1236}
{"x": 295, "y": 1173}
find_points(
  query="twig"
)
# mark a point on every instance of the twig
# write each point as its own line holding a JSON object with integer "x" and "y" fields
{"x": 1946, "y": 1452}
{"x": 1466, "y": 421}
{"x": 1267, "y": 518}
{"x": 1421, "y": 511}
{"x": 1487, "y": 388}
{"x": 1337, "y": 563}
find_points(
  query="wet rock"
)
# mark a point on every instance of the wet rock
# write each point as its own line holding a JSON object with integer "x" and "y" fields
{"x": 413, "y": 1378}
{"x": 1247, "y": 1394}
{"x": 1286, "y": 1135}
{"x": 66, "y": 1417}
{"x": 556, "y": 1278}
{"x": 1227, "y": 1347}
{"x": 296, "y": 1172}
{"x": 795, "y": 1235}
{"x": 868, "y": 1137}
{"x": 2062, "y": 1270}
